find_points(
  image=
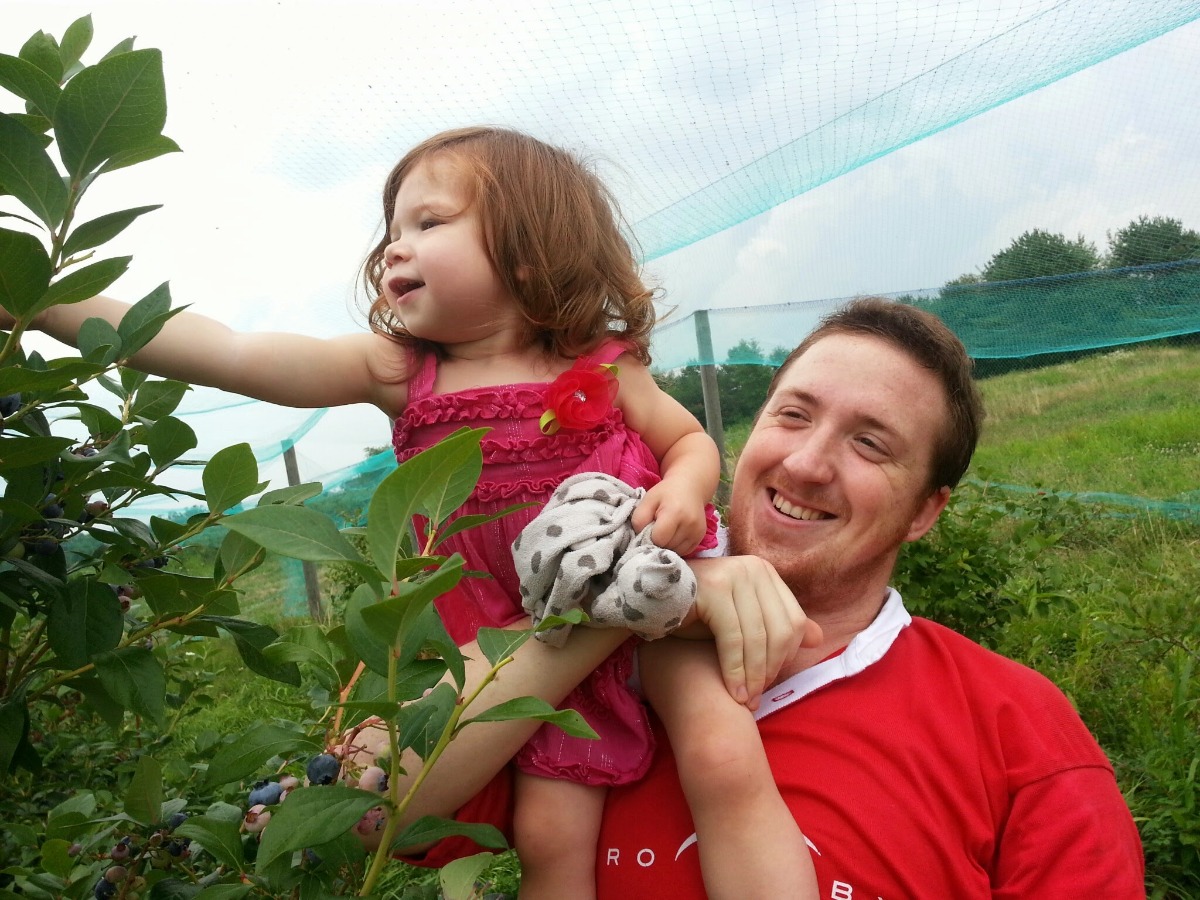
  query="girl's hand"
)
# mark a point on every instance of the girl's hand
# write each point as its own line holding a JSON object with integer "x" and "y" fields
{"x": 754, "y": 618}
{"x": 677, "y": 514}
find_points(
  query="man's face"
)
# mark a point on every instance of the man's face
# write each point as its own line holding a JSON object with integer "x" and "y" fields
{"x": 834, "y": 476}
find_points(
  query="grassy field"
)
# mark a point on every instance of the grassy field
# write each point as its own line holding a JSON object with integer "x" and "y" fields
{"x": 1125, "y": 422}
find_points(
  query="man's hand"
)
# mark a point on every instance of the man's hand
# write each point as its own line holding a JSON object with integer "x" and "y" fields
{"x": 754, "y": 618}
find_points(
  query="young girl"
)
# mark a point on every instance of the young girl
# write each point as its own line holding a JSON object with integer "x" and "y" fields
{"x": 503, "y": 268}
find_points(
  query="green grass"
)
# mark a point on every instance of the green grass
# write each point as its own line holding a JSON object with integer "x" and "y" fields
{"x": 1126, "y": 422}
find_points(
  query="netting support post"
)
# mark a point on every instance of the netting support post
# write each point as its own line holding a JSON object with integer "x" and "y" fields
{"x": 712, "y": 399}
{"x": 311, "y": 587}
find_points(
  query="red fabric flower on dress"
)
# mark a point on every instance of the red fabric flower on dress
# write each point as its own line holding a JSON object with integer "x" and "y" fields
{"x": 580, "y": 397}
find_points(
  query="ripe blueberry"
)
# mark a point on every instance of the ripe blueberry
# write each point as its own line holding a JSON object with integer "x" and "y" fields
{"x": 265, "y": 793}
{"x": 322, "y": 769}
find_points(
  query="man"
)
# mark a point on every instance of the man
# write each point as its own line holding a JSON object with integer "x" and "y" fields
{"x": 916, "y": 763}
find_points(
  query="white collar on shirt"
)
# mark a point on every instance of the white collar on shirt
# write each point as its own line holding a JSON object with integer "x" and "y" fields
{"x": 867, "y": 647}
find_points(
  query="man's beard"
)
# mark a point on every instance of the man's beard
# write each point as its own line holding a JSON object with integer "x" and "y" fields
{"x": 805, "y": 573}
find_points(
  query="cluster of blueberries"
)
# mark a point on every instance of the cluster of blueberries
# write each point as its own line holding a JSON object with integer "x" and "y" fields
{"x": 161, "y": 848}
{"x": 324, "y": 768}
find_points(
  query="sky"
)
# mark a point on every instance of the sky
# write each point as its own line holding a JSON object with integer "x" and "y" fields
{"x": 291, "y": 113}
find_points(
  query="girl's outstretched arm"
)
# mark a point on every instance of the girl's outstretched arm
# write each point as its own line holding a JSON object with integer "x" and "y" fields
{"x": 288, "y": 369}
{"x": 688, "y": 457}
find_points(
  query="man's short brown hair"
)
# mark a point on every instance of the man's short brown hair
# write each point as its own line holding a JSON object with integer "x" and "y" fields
{"x": 926, "y": 339}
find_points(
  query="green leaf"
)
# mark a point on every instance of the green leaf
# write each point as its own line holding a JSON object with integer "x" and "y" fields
{"x": 84, "y": 283}
{"x": 99, "y": 342}
{"x": 76, "y": 40}
{"x": 430, "y": 829}
{"x": 307, "y": 644}
{"x": 168, "y": 439}
{"x": 144, "y": 796}
{"x": 498, "y": 643}
{"x": 17, "y": 452}
{"x": 294, "y": 531}
{"x": 28, "y": 82}
{"x": 133, "y": 678}
{"x": 251, "y": 639}
{"x": 568, "y": 720}
{"x": 102, "y": 229}
{"x": 42, "y": 50}
{"x": 236, "y": 553}
{"x": 463, "y": 523}
{"x": 224, "y": 891}
{"x": 311, "y": 816}
{"x": 245, "y": 756}
{"x": 165, "y": 596}
{"x": 14, "y": 729}
{"x": 144, "y": 320}
{"x": 230, "y": 477}
{"x": 219, "y": 837}
{"x": 434, "y": 482}
{"x": 84, "y": 621}
{"x": 157, "y": 146}
{"x": 28, "y": 173}
{"x": 370, "y": 647}
{"x": 391, "y": 619}
{"x": 70, "y": 818}
{"x": 55, "y": 857}
{"x": 117, "y": 105}
{"x": 423, "y": 721}
{"x": 121, "y": 46}
{"x": 60, "y": 372}
{"x": 156, "y": 399}
{"x": 99, "y": 700}
{"x": 458, "y": 878}
{"x": 24, "y": 269}
{"x": 291, "y": 495}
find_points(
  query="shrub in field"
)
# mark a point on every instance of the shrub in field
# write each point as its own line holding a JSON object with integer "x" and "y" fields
{"x": 97, "y": 615}
{"x": 987, "y": 560}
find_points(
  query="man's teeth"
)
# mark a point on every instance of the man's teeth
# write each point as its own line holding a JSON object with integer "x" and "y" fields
{"x": 798, "y": 512}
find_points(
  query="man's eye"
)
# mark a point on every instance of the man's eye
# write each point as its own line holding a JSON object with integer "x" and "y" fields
{"x": 792, "y": 413}
{"x": 872, "y": 445}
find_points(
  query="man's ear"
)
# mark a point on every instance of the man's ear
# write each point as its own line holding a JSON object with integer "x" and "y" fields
{"x": 927, "y": 513}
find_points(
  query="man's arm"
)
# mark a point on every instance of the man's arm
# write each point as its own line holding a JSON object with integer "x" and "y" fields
{"x": 1070, "y": 834}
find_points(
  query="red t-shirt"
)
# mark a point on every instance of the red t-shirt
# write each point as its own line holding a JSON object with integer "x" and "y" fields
{"x": 918, "y": 764}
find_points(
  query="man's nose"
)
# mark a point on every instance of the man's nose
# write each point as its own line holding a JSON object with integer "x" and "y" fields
{"x": 811, "y": 458}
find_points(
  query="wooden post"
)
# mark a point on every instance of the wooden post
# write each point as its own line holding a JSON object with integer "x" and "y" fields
{"x": 311, "y": 588}
{"x": 712, "y": 399}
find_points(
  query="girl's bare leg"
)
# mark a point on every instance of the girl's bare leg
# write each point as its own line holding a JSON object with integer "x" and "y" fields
{"x": 556, "y": 828}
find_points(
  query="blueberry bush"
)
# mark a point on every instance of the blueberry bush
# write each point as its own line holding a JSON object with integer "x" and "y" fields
{"x": 98, "y": 616}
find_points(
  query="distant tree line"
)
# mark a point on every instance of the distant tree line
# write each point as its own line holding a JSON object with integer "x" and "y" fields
{"x": 1037, "y": 254}
{"x": 741, "y": 382}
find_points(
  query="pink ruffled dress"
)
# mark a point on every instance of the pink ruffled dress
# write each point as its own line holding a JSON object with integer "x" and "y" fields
{"x": 520, "y": 465}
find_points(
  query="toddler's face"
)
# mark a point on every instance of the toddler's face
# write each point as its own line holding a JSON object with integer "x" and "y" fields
{"x": 440, "y": 280}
